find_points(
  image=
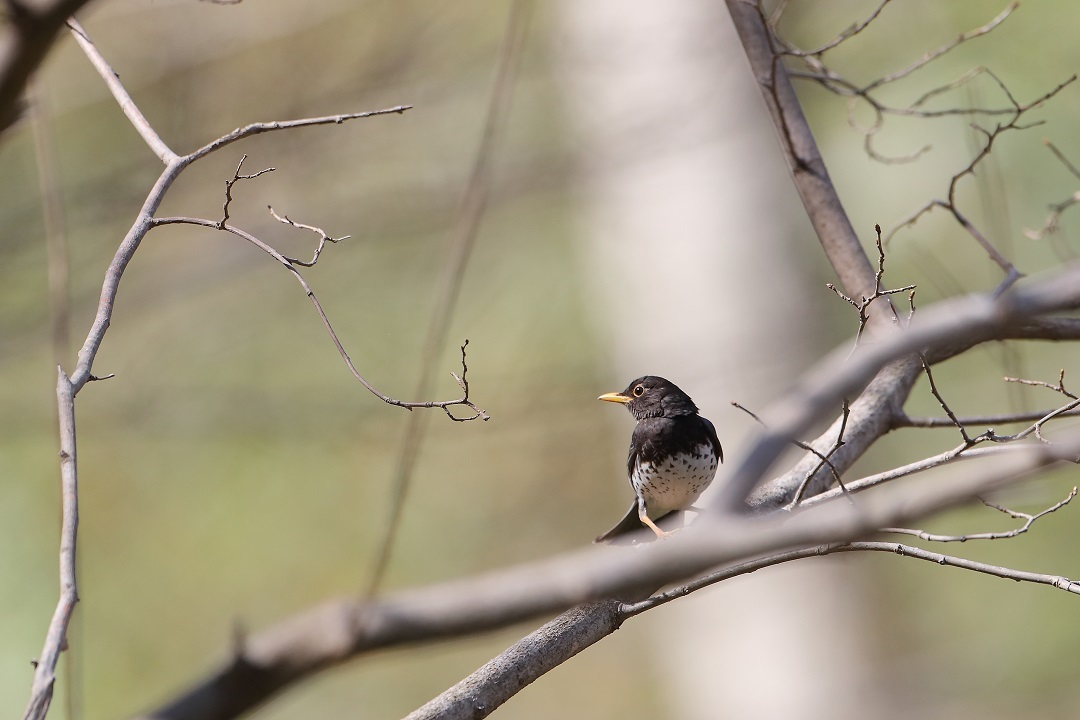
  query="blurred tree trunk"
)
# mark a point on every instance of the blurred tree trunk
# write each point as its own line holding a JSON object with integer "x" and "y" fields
{"x": 690, "y": 239}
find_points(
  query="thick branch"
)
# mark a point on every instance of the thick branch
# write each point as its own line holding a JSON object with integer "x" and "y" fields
{"x": 823, "y": 206}
{"x": 282, "y": 655}
{"x": 950, "y": 322}
{"x": 329, "y": 634}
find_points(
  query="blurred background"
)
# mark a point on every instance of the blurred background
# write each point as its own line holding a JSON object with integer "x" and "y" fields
{"x": 641, "y": 220}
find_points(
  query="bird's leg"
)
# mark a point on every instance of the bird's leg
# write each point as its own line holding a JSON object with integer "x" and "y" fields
{"x": 644, "y": 518}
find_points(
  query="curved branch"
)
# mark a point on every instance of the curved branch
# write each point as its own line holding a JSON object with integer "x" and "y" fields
{"x": 288, "y": 265}
{"x": 329, "y": 634}
{"x": 1057, "y": 581}
{"x": 284, "y": 654}
{"x": 68, "y": 386}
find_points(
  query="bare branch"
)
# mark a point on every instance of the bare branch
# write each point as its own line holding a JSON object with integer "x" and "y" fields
{"x": 336, "y": 631}
{"x": 950, "y": 202}
{"x": 1028, "y": 519}
{"x": 933, "y": 55}
{"x": 800, "y": 492}
{"x": 1003, "y": 419}
{"x": 174, "y": 165}
{"x": 808, "y": 448}
{"x": 818, "y": 71}
{"x": 41, "y": 691}
{"x": 68, "y": 386}
{"x": 265, "y": 127}
{"x": 214, "y": 224}
{"x": 282, "y": 655}
{"x": 964, "y": 451}
{"x": 878, "y": 293}
{"x": 960, "y": 452}
{"x": 944, "y": 405}
{"x": 237, "y": 177}
{"x": 851, "y": 32}
{"x": 123, "y": 99}
{"x": 1057, "y": 581}
{"x": 975, "y": 314}
{"x": 323, "y": 238}
{"x": 1059, "y": 388}
{"x": 834, "y": 230}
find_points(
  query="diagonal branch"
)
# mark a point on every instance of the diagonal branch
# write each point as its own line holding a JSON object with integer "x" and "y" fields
{"x": 275, "y": 658}
{"x": 834, "y": 230}
{"x": 123, "y": 99}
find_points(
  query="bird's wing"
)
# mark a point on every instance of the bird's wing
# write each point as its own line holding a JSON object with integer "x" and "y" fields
{"x": 629, "y": 523}
{"x": 714, "y": 439}
{"x": 635, "y": 452}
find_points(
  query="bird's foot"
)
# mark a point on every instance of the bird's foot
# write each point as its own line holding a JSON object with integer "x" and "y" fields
{"x": 660, "y": 534}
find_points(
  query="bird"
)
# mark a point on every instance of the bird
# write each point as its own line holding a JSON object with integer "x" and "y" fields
{"x": 674, "y": 453}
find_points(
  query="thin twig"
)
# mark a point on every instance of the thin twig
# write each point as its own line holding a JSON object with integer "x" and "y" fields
{"x": 841, "y": 37}
{"x": 867, "y": 300}
{"x": 960, "y": 452}
{"x": 964, "y": 451}
{"x": 817, "y": 70}
{"x": 807, "y": 447}
{"x": 800, "y": 492}
{"x": 463, "y": 401}
{"x": 941, "y": 401}
{"x": 1003, "y": 419}
{"x": 323, "y": 238}
{"x": 1028, "y": 519}
{"x": 948, "y": 47}
{"x": 1057, "y": 581}
{"x": 69, "y": 385}
{"x": 949, "y": 203}
{"x": 237, "y": 177}
{"x": 1059, "y": 388}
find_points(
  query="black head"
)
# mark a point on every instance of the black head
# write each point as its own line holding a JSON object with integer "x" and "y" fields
{"x": 652, "y": 396}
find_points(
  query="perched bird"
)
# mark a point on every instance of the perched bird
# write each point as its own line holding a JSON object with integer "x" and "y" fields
{"x": 673, "y": 452}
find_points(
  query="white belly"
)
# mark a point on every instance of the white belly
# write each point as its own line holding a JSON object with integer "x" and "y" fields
{"x": 675, "y": 484}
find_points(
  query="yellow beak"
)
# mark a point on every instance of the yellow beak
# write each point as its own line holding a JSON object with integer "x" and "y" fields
{"x": 614, "y": 397}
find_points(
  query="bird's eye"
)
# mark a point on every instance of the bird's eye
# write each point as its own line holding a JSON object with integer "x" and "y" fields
{"x": 639, "y": 390}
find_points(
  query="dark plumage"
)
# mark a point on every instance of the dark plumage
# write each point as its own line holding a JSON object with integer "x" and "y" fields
{"x": 673, "y": 456}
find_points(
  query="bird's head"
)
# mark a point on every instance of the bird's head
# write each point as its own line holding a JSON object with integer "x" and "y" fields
{"x": 653, "y": 396}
